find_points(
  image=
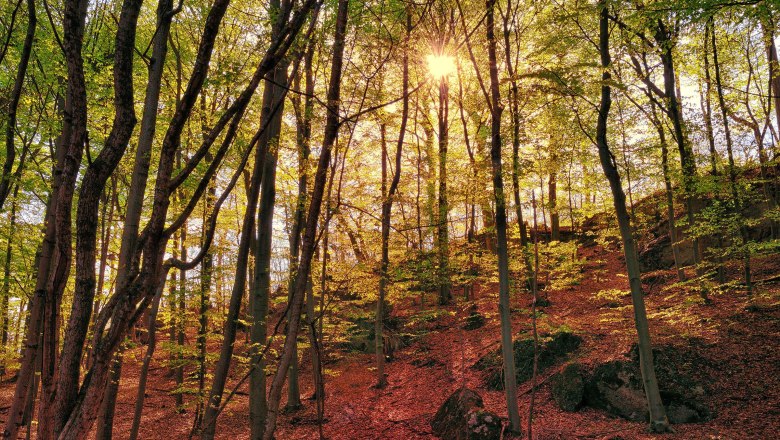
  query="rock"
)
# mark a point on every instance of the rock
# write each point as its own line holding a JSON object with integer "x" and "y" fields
{"x": 568, "y": 387}
{"x": 616, "y": 386}
{"x": 463, "y": 417}
{"x": 552, "y": 350}
{"x": 484, "y": 425}
{"x": 474, "y": 321}
{"x": 613, "y": 388}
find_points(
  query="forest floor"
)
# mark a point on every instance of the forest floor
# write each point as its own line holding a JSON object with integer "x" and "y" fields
{"x": 744, "y": 343}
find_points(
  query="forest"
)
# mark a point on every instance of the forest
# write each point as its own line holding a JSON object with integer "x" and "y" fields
{"x": 389, "y": 219}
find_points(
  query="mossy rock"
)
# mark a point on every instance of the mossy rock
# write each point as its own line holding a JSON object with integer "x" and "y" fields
{"x": 474, "y": 321}
{"x": 568, "y": 387}
{"x": 463, "y": 417}
{"x": 617, "y": 386}
{"x": 552, "y": 350}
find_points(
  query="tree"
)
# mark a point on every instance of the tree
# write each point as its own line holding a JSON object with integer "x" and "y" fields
{"x": 658, "y": 420}
{"x": 310, "y": 232}
{"x": 496, "y": 108}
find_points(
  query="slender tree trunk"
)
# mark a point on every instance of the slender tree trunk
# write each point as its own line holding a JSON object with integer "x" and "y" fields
{"x": 379, "y": 318}
{"x": 507, "y": 351}
{"x": 143, "y": 375}
{"x": 707, "y": 104}
{"x": 303, "y": 132}
{"x": 234, "y": 308}
{"x": 105, "y": 239}
{"x": 534, "y": 293}
{"x": 13, "y": 102}
{"x": 309, "y": 238}
{"x": 442, "y": 236}
{"x": 658, "y": 420}
{"x": 552, "y": 190}
{"x": 273, "y": 104}
{"x": 514, "y": 111}
{"x": 663, "y": 38}
{"x": 736, "y": 196}
{"x": 206, "y": 276}
{"x": 181, "y": 317}
{"x": 673, "y": 238}
{"x": 387, "y": 206}
{"x": 7, "y": 282}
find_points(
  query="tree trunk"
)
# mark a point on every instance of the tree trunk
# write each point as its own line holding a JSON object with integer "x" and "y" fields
{"x": 309, "y": 238}
{"x": 673, "y": 238}
{"x": 273, "y": 105}
{"x": 430, "y": 179}
{"x": 7, "y": 283}
{"x": 707, "y": 104}
{"x": 442, "y": 236}
{"x": 206, "y": 276}
{"x": 736, "y": 196}
{"x": 141, "y": 394}
{"x": 234, "y": 308}
{"x": 510, "y": 381}
{"x": 54, "y": 263}
{"x": 768, "y": 30}
{"x": 658, "y": 420}
{"x": 387, "y": 206}
{"x": 663, "y": 38}
{"x": 552, "y": 191}
{"x": 13, "y": 103}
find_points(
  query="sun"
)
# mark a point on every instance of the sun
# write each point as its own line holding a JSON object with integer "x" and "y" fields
{"x": 440, "y": 65}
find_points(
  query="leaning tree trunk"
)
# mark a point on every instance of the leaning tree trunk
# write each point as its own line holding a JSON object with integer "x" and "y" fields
{"x": 309, "y": 238}
{"x": 54, "y": 264}
{"x": 13, "y": 103}
{"x": 214, "y": 400}
{"x": 507, "y": 351}
{"x": 658, "y": 420}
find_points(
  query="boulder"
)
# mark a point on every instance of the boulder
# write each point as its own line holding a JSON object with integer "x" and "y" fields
{"x": 463, "y": 417}
{"x": 568, "y": 387}
{"x": 552, "y": 350}
{"x": 474, "y": 320}
{"x": 616, "y": 386}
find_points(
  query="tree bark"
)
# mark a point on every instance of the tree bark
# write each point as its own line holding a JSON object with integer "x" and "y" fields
{"x": 442, "y": 236}
{"x": 143, "y": 375}
{"x": 664, "y": 39}
{"x": 658, "y": 420}
{"x": 273, "y": 105}
{"x": 736, "y": 196}
{"x": 13, "y": 103}
{"x": 309, "y": 238}
{"x": 54, "y": 263}
{"x": 496, "y": 107}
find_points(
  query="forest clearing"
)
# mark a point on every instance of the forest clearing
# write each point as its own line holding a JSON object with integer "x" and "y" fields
{"x": 389, "y": 219}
